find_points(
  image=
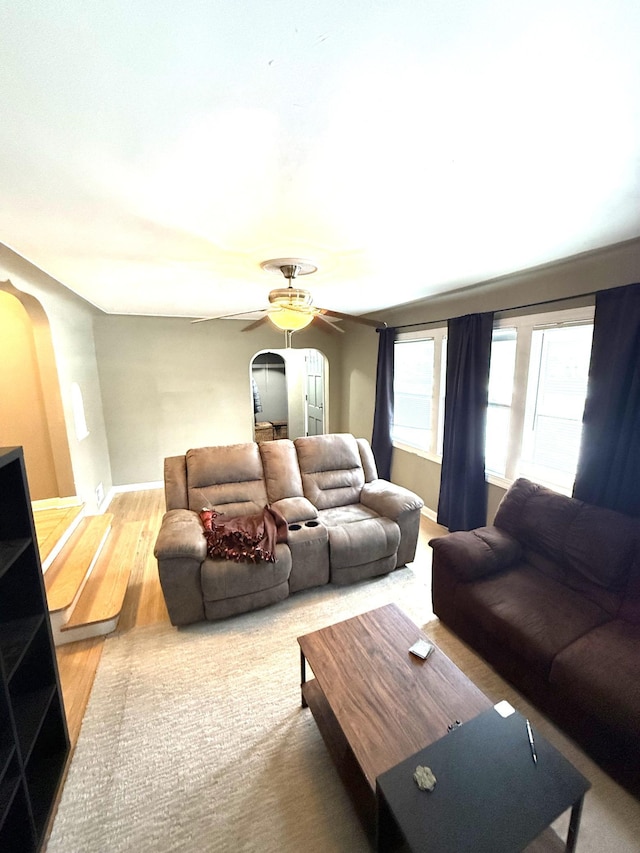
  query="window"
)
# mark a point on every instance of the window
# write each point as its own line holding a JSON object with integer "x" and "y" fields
{"x": 417, "y": 389}
{"x": 413, "y": 392}
{"x": 557, "y": 388}
{"x": 537, "y": 389}
{"x": 501, "y": 373}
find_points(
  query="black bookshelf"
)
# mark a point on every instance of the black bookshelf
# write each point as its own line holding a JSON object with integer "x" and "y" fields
{"x": 34, "y": 741}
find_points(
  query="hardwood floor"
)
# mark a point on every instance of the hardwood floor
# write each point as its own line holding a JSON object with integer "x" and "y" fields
{"x": 144, "y": 603}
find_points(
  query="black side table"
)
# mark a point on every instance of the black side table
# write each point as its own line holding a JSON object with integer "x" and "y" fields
{"x": 490, "y": 795}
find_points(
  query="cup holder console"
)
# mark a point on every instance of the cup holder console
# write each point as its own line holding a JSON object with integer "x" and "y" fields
{"x": 306, "y": 524}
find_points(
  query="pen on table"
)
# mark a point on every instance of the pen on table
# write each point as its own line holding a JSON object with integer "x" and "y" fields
{"x": 531, "y": 743}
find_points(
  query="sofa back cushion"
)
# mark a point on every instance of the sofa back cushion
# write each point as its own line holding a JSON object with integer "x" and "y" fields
{"x": 283, "y": 481}
{"x": 175, "y": 483}
{"x": 537, "y": 517}
{"x": 281, "y": 471}
{"x": 630, "y": 608}
{"x": 368, "y": 460}
{"x": 228, "y": 478}
{"x": 331, "y": 469}
{"x": 589, "y": 543}
{"x": 601, "y": 545}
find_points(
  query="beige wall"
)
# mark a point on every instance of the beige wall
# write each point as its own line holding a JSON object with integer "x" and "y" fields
{"x": 154, "y": 387}
{"x": 571, "y": 279}
{"x": 169, "y": 385}
{"x": 359, "y": 360}
{"x": 62, "y": 325}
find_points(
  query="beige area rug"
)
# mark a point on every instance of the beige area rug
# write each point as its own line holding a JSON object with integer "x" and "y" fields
{"x": 194, "y": 739}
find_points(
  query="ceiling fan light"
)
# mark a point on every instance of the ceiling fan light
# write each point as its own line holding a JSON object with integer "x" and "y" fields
{"x": 289, "y": 321}
{"x": 293, "y": 296}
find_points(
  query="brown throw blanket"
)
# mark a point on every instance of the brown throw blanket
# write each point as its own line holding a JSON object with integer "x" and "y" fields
{"x": 247, "y": 538}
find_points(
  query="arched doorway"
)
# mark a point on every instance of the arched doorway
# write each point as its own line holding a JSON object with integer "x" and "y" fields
{"x": 31, "y": 414}
{"x": 289, "y": 393}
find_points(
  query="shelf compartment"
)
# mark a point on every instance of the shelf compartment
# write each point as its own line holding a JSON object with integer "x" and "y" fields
{"x": 8, "y": 786}
{"x": 31, "y": 689}
{"x": 46, "y": 765}
{"x": 7, "y": 753}
{"x": 15, "y": 638}
{"x": 28, "y": 710}
{"x": 16, "y": 827}
{"x": 16, "y": 519}
{"x": 21, "y": 587}
{"x": 10, "y": 550}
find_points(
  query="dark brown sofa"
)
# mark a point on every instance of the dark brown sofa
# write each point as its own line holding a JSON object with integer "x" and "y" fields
{"x": 550, "y": 596}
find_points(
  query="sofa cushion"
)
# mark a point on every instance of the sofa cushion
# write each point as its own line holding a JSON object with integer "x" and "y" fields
{"x": 600, "y": 669}
{"x": 537, "y": 517}
{"x": 227, "y": 478}
{"x": 226, "y": 579}
{"x": 630, "y": 607}
{"x": 331, "y": 469}
{"x": 530, "y": 613}
{"x": 281, "y": 470}
{"x": 339, "y": 515}
{"x": 600, "y": 544}
{"x": 363, "y": 542}
{"x": 593, "y": 542}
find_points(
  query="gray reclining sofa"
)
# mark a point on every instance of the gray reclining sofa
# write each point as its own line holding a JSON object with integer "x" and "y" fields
{"x": 344, "y": 523}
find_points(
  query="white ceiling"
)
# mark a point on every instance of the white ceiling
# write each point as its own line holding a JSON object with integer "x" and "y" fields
{"x": 152, "y": 153}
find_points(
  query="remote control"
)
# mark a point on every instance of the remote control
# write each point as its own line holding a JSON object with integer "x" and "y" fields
{"x": 421, "y": 649}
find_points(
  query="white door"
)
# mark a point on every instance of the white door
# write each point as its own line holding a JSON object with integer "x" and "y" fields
{"x": 315, "y": 392}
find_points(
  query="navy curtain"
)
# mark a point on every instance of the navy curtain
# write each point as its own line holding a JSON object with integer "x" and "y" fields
{"x": 463, "y": 491}
{"x": 609, "y": 464}
{"x": 383, "y": 413}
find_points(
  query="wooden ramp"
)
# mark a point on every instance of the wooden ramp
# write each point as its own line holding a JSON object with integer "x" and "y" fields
{"x": 100, "y": 603}
{"x": 87, "y": 581}
{"x": 53, "y": 526}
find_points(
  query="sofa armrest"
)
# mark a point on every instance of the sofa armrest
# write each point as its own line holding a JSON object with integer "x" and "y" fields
{"x": 180, "y": 550}
{"x": 181, "y": 535}
{"x": 295, "y": 509}
{"x": 389, "y": 500}
{"x": 472, "y": 554}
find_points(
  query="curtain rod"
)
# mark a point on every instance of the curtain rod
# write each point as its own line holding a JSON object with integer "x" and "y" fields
{"x": 500, "y": 310}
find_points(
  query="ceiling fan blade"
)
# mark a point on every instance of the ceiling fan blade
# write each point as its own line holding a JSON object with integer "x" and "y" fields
{"x": 327, "y": 326}
{"x": 255, "y": 324}
{"x": 226, "y": 316}
{"x": 365, "y": 321}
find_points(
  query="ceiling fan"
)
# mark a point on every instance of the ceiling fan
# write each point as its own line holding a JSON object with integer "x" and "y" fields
{"x": 291, "y": 308}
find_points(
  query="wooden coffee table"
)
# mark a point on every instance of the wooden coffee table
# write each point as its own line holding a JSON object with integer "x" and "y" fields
{"x": 376, "y": 705}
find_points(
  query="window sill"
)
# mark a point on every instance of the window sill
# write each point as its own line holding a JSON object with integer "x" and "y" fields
{"x": 497, "y": 480}
{"x": 417, "y": 451}
{"x": 492, "y": 479}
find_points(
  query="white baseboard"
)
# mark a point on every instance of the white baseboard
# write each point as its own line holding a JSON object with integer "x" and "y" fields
{"x": 138, "y": 487}
{"x": 132, "y": 487}
{"x": 431, "y": 514}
